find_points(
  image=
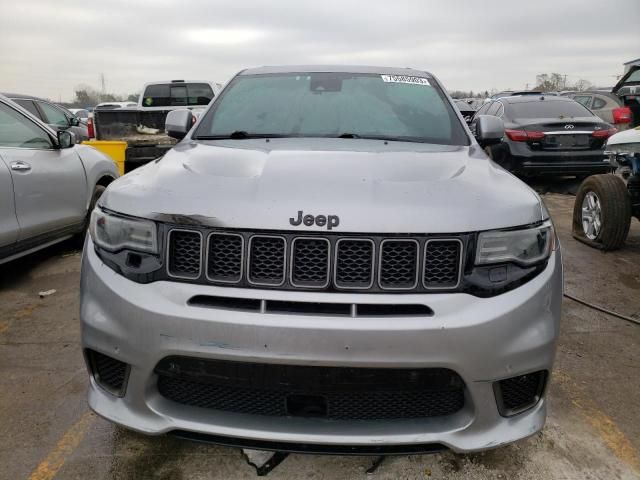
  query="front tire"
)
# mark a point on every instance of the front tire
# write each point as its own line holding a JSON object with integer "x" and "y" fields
{"x": 602, "y": 212}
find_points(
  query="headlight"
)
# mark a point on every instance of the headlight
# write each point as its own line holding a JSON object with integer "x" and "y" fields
{"x": 115, "y": 232}
{"x": 525, "y": 247}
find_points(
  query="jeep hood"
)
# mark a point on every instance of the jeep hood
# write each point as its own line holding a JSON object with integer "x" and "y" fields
{"x": 373, "y": 186}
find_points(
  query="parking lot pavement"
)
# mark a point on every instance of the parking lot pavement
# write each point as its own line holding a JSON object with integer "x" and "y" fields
{"x": 593, "y": 430}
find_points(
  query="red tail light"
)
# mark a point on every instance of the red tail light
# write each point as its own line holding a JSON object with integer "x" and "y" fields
{"x": 621, "y": 115}
{"x": 523, "y": 135}
{"x": 604, "y": 133}
{"x": 90, "y": 130}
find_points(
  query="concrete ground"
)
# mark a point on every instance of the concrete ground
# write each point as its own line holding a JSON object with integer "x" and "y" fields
{"x": 593, "y": 430}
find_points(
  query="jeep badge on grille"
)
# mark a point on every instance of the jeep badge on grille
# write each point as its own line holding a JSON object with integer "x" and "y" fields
{"x": 330, "y": 221}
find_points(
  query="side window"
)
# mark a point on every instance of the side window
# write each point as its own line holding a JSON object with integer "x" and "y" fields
{"x": 18, "y": 131}
{"x": 54, "y": 116}
{"x": 583, "y": 99}
{"x": 156, "y": 96}
{"x": 598, "y": 103}
{"x": 28, "y": 105}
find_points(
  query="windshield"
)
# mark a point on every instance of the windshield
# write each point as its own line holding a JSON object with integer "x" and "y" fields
{"x": 332, "y": 105}
{"x": 548, "y": 109}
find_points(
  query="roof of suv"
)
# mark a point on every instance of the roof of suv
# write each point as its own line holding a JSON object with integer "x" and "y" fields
{"x": 335, "y": 69}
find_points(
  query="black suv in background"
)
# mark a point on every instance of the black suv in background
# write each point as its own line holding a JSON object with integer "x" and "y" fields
{"x": 548, "y": 135}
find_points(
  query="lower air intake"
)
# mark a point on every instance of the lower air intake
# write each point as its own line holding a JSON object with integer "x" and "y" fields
{"x": 299, "y": 391}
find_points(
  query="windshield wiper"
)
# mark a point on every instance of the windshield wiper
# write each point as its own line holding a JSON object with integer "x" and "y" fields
{"x": 387, "y": 138}
{"x": 239, "y": 135}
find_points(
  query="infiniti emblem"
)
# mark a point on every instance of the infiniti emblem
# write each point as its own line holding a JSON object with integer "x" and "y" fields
{"x": 568, "y": 127}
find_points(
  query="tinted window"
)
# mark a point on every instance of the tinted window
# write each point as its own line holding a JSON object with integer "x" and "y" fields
{"x": 166, "y": 95}
{"x": 598, "y": 103}
{"x": 28, "y": 105}
{"x": 179, "y": 95}
{"x": 548, "y": 109}
{"x": 156, "y": 96}
{"x": 18, "y": 131}
{"x": 199, "y": 93}
{"x": 54, "y": 115}
{"x": 333, "y": 104}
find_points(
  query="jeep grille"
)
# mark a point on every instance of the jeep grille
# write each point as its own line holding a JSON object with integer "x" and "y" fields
{"x": 315, "y": 261}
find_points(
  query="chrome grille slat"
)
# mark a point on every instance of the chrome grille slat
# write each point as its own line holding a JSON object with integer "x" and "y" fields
{"x": 318, "y": 261}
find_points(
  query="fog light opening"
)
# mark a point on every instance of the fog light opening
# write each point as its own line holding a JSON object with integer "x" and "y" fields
{"x": 110, "y": 374}
{"x": 517, "y": 394}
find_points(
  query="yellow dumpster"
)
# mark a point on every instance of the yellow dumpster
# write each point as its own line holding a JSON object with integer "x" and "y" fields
{"x": 113, "y": 148}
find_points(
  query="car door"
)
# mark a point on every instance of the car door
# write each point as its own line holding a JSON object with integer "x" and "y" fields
{"x": 9, "y": 228}
{"x": 49, "y": 184}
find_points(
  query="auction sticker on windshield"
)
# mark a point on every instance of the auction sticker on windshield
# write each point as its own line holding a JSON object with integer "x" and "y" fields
{"x": 404, "y": 79}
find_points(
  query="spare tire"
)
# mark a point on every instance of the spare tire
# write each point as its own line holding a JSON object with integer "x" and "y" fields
{"x": 602, "y": 212}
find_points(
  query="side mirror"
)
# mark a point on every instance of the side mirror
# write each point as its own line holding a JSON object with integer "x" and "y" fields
{"x": 178, "y": 123}
{"x": 74, "y": 121}
{"x": 66, "y": 139}
{"x": 488, "y": 129}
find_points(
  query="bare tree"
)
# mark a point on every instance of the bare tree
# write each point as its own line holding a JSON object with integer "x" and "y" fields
{"x": 582, "y": 85}
{"x": 550, "y": 82}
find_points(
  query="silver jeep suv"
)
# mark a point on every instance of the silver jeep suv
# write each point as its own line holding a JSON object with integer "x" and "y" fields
{"x": 326, "y": 262}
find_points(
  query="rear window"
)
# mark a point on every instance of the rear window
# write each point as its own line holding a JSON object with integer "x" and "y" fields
{"x": 175, "y": 95}
{"x": 548, "y": 109}
{"x": 333, "y": 104}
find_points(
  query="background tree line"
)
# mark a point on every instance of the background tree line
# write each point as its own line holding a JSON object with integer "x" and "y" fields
{"x": 87, "y": 96}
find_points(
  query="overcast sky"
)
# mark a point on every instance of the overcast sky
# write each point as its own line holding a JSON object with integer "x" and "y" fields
{"x": 49, "y": 47}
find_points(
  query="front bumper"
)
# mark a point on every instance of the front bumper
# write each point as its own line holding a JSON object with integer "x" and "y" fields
{"x": 483, "y": 340}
